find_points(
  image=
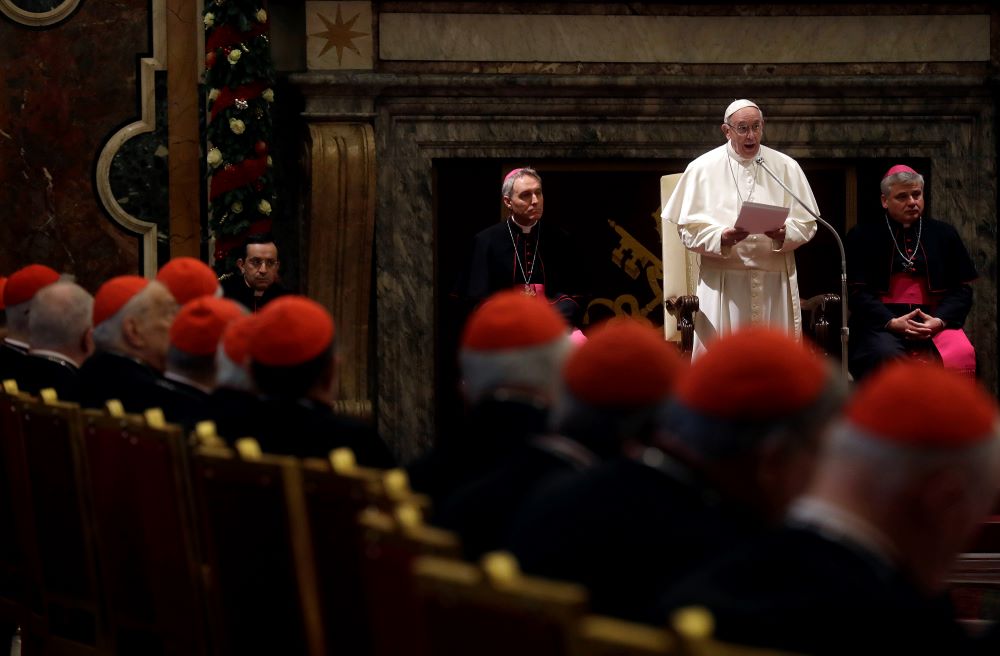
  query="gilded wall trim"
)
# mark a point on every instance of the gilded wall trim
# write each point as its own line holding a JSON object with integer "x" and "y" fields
{"x": 147, "y": 123}
{"x": 341, "y": 228}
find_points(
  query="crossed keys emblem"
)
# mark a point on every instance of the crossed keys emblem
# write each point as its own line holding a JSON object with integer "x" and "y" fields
{"x": 635, "y": 260}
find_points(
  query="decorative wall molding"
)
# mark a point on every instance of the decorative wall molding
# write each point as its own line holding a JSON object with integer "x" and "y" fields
{"x": 146, "y": 123}
{"x": 341, "y": 227}
{"x": 38, "y": 18}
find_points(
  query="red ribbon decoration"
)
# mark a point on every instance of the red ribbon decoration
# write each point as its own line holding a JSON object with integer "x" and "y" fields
{"x": 227, "y": 35}
{"x": 224, "y": 245}
{"x": 237, "y": 175}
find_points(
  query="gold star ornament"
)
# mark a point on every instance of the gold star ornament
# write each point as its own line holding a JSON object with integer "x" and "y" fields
{"x": 339, "y": 34}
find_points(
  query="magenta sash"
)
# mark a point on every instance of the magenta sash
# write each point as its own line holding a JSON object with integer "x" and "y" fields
{"x": 952, "y": 344}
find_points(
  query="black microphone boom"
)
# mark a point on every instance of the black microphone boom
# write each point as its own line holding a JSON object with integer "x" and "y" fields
{"x": 844, "y": 330}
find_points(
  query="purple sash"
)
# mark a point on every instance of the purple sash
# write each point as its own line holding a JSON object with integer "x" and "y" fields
{"x": 952, "y": 344}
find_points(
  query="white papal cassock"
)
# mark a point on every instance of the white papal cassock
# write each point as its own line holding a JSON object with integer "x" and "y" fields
{"x": 753, "y": 282}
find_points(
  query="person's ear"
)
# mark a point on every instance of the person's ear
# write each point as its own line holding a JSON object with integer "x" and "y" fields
{"x": 507, "y": 203}
{"x": 239, "y": 264}
{"x": 885, "y": 203}
{"x": 132, "y": 333}
{"x": 87, "y": 342}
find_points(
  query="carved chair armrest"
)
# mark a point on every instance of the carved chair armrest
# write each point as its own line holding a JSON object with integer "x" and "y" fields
{"x": 683, "y": 308}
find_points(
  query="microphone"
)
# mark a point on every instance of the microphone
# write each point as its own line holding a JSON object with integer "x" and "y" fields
{"x": 844, "y": 330}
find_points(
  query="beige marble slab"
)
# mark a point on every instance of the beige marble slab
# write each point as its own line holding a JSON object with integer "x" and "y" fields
{"x": 682, "y": 39}
{"x": 339, "y": 36}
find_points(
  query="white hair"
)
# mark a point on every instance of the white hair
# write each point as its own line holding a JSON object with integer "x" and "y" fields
{"x": 108, "y": 334}
{"x": 536, "y": 368}
{"x": 60, "y": 315}
{"x": 891, "y": 467}
{"x": 230, "y": 374}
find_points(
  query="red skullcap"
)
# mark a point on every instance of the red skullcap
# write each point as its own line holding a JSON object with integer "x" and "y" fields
{"x": 511, "y": 320}
{"x": 923, "y": 405}
{"x": 114, "y": 294}
{"x": 755, "y": 373}
{"x": 199, "y": 324}
{"x": 24, "y": 283}
{"x": 188, "y": 278}
{"x": 623, "y": 363}
{"x": 236, "y": 338}
{"x": 290, "y": 330}
{"x": 3, "y": 284}
{"x": 899, "y": 168}
{"x": 512, "y": 174}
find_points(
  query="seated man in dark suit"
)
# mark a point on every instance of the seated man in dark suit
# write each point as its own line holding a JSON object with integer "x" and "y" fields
{"x": 61, "y": 338}
{"x": 21, "y": 287}
{"x": 189, "y": 378}
{"x": 910, "y": 279}
{"x": 258, "y": 280}
{"x": 295, "y": 368}
{"x": 132, "y": 318}
{"x": 862, "y": 565}
{"x": 734, "y": 446}
{"x": 614, "y": 384}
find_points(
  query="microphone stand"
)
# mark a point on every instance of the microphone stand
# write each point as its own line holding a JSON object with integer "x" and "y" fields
{"x": 844, "y": 330}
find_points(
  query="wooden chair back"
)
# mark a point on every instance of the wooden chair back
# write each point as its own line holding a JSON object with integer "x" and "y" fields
{"x": 393, "y": 540}
{"x": 63, "y": 526}
{"x": 600, "y": 635}
{"x": 493, "y": 609}
{"x": 336, "y": 491}
{"x": 144, "y": 521}
{"x": 19, "y": 592}
{"x": 262, "y": 587}
{"x": 694, "y": 628}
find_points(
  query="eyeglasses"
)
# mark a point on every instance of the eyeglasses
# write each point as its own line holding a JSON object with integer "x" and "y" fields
{"x": 256, "y": 263}
{"x": 743, "y": 128}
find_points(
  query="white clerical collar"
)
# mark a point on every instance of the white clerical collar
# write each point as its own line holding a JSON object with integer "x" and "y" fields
{"x": 839, "y": 524}
{"x": 525, "y": 229}
{"x": 745, "y": 161}
{"x": 22, "y": 346}
{"x": 55, "y": 355}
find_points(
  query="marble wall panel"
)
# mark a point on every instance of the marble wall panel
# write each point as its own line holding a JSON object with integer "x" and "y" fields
{"x": 62, "y": 92}
{"x": 429, "y": 36}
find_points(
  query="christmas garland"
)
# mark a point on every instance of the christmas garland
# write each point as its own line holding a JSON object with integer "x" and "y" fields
{"x": 238, "y": 80}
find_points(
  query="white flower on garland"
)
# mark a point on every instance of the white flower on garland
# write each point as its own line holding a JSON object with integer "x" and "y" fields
{"x": 212, "y": 95}
{"x": 234, "y": 55}
{"x": 261, "y": 16}
{"x": 237, "y": 126}
{"x": 214, "y": 157}
{"x": 236, "y": 207}
{"x": 264, "y": 207}
{"x": 268, "y": 95}
{"x": 209, "y": 20}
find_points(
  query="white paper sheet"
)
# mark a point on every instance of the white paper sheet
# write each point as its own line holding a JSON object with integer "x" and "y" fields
{"x": 758, "y": 218}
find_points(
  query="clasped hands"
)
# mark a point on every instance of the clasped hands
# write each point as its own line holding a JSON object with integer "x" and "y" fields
{"x": 733, "y": 236}
{"x": 916, "y": 324}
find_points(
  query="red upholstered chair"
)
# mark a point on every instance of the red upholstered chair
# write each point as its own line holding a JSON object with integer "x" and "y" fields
{"x": 144, "y": 522}
{"x": 74, "y": 610}
{"x": 392, "y": 540}
{"x": 261, "y": 573}
{"x": 492, "y": 609}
